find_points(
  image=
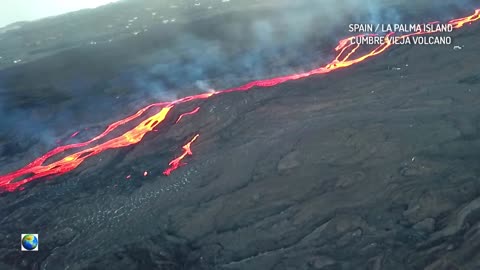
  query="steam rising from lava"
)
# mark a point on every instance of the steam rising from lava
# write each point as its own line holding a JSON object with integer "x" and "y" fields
{"x": 57, "y": 161}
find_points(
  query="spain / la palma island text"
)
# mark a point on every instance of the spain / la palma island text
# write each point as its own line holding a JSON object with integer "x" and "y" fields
{"x": 399, "y": 28}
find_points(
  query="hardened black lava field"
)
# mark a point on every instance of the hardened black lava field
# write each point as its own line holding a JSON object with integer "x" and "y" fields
{"x": 372, "y": 166}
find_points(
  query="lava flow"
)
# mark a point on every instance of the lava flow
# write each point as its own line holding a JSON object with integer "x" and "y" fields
{"x": 60, "y": 162}
{"x": 187, "y": 113}
{"x": 176, "y": 163}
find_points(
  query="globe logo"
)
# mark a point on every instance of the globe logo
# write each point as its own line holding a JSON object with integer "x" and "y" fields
{"x": 29, "y": 242}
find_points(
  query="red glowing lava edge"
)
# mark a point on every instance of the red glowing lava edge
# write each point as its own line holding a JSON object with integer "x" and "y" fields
{"x": 39, "y": 168}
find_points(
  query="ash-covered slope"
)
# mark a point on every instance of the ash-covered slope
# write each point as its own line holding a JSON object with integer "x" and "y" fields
{"x": 367, "y": 168}
{"x": 373, "y": 167}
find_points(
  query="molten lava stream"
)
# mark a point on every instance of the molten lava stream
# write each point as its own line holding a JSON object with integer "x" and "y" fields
{"x": 176, "y": 163}
{"x": 72, "y": 161}
{"x": 347, "y": 55}
{"x": 194, "y": 111}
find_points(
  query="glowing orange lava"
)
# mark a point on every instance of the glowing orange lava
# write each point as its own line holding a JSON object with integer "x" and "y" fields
{"x": 58, "y": 161}
{"x": 176, "y": 163}
{"x": 194, "y": 111}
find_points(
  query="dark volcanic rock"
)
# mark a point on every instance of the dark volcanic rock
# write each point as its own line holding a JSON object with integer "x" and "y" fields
{"x": 366, "y": 168}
